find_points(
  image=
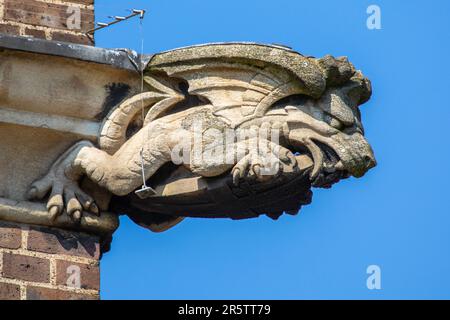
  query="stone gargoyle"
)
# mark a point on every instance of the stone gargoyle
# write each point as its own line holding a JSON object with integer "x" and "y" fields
{"x": 182, "y": 138}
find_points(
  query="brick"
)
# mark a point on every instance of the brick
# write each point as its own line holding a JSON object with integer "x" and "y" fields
{"x": 35, "y": 33}
{"x": 10, "y": 236}
{"x": 72, "y": 38}
{"x": 9, "y": 291}
{"x": 55, "y": 241}
{"x": 8, "y": 29}
{"x": 36, "y": 293}
{"x": 89, "y": 275}
{"x": 46, "y": 14}
{"x": 26, "y": 268}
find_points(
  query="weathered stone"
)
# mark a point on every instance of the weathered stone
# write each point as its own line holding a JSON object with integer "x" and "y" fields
{"x": 310, "y": 104}
{"x": 35, "y": 128}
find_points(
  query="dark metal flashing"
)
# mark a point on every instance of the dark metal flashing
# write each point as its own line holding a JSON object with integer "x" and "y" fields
{"x": 118, "y": 58}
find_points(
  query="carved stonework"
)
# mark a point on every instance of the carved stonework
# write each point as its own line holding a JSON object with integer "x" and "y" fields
{"x": 221, "y": 130}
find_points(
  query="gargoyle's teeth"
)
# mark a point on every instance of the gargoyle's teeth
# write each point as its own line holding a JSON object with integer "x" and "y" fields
{"x": 339, "y": 166}
{"x": 317, "y": 157}
{"x": 329, "y": 168}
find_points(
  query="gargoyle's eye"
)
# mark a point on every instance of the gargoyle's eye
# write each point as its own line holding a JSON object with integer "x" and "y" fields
{"x": 335, "y": 123}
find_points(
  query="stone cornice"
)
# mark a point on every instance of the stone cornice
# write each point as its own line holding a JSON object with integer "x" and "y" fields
{"x": 36, "y": 214}
{"x": 51, "y": 94}
{"x": 118, "y": 58}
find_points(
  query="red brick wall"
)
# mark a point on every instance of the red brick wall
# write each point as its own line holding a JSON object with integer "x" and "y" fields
{"x": 38, "y": 263}
{"x": 61, "y": 20}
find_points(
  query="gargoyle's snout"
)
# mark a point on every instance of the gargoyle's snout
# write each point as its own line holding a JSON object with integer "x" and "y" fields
{"x": 370, "y": 161}
{"x": 337, "y": 156}
{"x": 356, "y": 154}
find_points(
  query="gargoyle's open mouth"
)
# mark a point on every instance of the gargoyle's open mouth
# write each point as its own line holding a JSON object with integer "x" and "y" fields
{"x": 336, "y": 157}
{"x": 328, "y": 168}
{"x": 332, "y": 168}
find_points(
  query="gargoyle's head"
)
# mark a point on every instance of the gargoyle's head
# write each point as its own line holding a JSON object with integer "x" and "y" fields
{"x": 329, "y": 129}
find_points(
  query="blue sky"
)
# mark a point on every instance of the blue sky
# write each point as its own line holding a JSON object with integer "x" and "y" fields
{"x": 397, "y": 216}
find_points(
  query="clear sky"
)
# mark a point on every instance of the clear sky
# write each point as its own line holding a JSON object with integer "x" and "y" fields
{"x": 396, "y": 217}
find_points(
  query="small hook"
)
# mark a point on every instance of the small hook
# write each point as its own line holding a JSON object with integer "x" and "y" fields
{"x": 145, "y": 191}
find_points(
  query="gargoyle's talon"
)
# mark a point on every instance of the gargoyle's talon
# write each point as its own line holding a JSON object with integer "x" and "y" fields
{"x": 94, "y": 209}
{"x": 236, "y": 175}
{"x": 284, "y": 156}
{"x": 86, "y": 205}
{"x": 56, "y": 200}
{"x": 243, "y": 166}
{"x": 76, "y": 216}
{"x": 85, "y": 200}
{"x": 73, "y": 205}
{"x": 257, "y": 171}
{"x": 54, "y": 212}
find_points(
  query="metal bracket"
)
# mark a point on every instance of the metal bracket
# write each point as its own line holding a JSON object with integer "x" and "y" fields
{"x": 117, "y": 19}
{"x": 145, "y": 192}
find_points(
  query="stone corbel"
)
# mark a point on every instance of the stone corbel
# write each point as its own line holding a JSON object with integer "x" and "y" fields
{"x": 52, "y": 95}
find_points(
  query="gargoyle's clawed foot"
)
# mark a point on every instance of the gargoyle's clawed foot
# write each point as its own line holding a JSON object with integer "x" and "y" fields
{"x": 265, "y": 167}
{"x": 64, "y": 197}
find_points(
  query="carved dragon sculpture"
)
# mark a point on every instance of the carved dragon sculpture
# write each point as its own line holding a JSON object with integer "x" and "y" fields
{"x": 310, "y": 104}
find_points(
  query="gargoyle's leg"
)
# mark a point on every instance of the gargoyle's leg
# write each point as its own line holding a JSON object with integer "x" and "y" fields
{"x": 250, "y": 158}
{"x": 62, "y": 179}
{"x": 262, "y": 160}
{"x": 119, "y": 173}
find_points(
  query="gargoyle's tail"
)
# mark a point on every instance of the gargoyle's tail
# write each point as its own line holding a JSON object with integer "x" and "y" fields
{"x": 114, "y": 128}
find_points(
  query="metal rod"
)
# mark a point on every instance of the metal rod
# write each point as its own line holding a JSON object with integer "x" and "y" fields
{"x": 144, "y": 185}
{"x": 101, "y": 25}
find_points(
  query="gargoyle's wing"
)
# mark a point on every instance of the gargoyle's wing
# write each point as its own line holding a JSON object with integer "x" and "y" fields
{"x": 241, "y": 80}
